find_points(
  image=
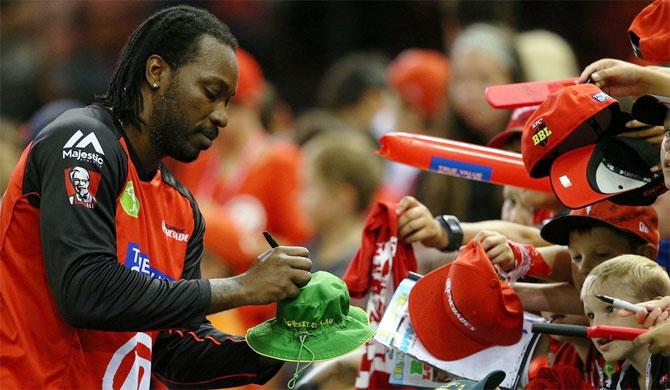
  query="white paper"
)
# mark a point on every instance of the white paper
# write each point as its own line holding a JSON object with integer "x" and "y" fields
{"x": 396, "y": 331}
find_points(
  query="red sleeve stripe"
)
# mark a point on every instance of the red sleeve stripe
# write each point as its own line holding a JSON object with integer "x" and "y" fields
{"x": 200, "y": 340}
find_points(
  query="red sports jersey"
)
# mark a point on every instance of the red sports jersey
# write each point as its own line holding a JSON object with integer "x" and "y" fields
{"x": 97, "y": 261}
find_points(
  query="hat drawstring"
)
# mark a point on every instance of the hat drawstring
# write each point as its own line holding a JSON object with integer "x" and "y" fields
{"x": 298, "y": 371}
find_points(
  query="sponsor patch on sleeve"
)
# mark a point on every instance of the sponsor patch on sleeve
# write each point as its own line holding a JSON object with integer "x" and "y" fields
{"x": 84, "y": 148}
{"x": 81, "y": 186}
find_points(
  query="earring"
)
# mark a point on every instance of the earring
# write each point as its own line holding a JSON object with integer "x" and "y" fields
{"x": 155, "y": 85}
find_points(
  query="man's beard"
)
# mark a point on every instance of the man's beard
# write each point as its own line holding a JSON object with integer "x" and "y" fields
{"x": 169, "y": 134}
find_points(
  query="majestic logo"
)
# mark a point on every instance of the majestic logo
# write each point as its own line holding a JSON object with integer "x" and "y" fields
{"x": 73, "y": 148}
{"x": 174, "y": 232}
{"x": 130, "y": 376}
{"x": 90, "y": 139}
{"x": 138, "y": 261}
{"x": 542, "y": 133}
{"x": 81, "y": 186}
{"x": 129, "y": 202}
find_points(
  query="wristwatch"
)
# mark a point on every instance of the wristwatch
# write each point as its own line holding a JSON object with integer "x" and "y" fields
{"x": 453, "y": 227}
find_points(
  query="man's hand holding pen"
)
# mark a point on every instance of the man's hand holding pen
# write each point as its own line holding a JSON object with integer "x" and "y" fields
{"x": 277, "y": 274}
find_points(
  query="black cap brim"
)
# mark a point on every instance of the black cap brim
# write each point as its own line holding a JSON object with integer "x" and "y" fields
{"x": 557, "y": 231}
{"x": 651, "y": 109}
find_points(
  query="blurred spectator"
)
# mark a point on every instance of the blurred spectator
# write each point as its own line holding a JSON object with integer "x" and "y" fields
{"x": 354, "y": 89}
{"x": 546, "y": 55}
{"x": 342, "y": 176}
{"x": 276, "y": 114}
{"x": 43, "y": 117}
{"x": 313, "y": 122}
{"x": 419, "y": 77}
{"x": 481, "y": 55}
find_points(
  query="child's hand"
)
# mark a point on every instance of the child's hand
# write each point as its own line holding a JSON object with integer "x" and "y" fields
{"x": 416, "y": 223}
{"x": 655, "y": 312}
{"x": 497, "y": 250}
{"x": 657, "y": 338}
{"x": 618, "y": 78}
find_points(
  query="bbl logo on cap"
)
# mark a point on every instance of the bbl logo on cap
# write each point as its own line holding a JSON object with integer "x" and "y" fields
{"x": 542, "y": 133}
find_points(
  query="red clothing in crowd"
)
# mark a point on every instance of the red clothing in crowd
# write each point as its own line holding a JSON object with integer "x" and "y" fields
{"x": 380, "y": 264}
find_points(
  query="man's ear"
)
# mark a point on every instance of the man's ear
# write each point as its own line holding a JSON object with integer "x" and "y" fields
{"x": 156, "y": 71}
{"x": 647, "y": 250}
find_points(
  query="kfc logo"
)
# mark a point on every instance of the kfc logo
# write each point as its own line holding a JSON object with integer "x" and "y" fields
{"x": 81, "y": 186}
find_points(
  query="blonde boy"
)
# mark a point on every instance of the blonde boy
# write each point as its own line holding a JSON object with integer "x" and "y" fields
{"x": 634, "y": 279}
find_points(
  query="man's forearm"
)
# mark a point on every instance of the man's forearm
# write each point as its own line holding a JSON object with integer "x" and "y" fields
{"x": 227, "y": 293}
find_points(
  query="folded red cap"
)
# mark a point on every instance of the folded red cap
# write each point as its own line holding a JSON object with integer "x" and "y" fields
{"x": 641, "y": 221}
{"x": 463, "y": 307}
{"x": 514, "y": 127}
{"x": 420, "y": 77}
{"x": 571, "y": 117}
{"x": 612, "y": 168}
{"x": 250, "y": 80}
{"x": 650, "y": 32}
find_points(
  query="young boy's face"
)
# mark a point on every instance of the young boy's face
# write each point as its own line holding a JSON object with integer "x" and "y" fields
{"x": 593, "y": 246}
{"x": 513, "y": 209}
{"x": 601, "y": 313}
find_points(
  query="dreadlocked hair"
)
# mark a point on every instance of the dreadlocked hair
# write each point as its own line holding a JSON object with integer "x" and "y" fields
{"x": 174, "y": 34}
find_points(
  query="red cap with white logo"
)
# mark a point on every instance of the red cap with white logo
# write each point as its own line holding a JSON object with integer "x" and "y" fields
{"x": 463, "y": 307}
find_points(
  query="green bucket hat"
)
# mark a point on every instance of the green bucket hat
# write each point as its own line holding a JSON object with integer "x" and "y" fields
{"x": 319, "y": 324}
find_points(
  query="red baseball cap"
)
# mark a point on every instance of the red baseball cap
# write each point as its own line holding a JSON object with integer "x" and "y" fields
{"x": 615, "y": 167}
{"x": 420, "y": 77}
{"x": 571, "y": 117}
{"x": 641, "y": 221}
{"x": 250, "y": 81}
{"x": 463, "y": 307}
{"x": 650, "y": 32}
{"x": 514, "y": 127}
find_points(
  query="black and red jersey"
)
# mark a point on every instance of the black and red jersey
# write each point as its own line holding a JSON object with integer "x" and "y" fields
{"x": 99, "y": 270}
